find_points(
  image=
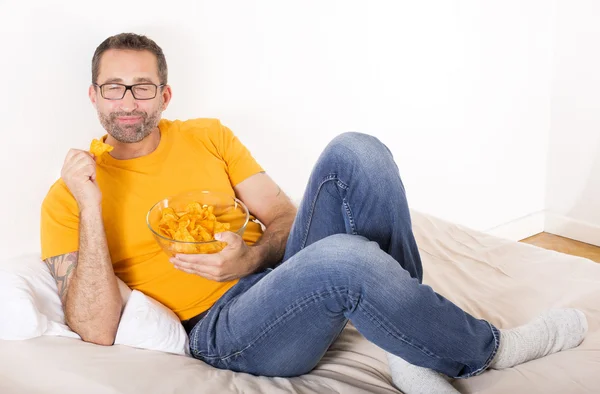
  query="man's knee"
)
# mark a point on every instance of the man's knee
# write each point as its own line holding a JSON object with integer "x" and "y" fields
{"x": 345, "y": 253}
{"x": 357, "y": 142}
{"x": 359, "y": 148}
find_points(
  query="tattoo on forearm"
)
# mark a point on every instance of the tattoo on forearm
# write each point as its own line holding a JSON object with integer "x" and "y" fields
{"x": 62, "y": 267}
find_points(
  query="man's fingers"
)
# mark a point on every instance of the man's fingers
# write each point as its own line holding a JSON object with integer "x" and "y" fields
{"x": 82, "y": 157}
{"x": 78, "y": 160}
{"x": 215, "y": 266}
{"x": 227, "y": 236}
{"x": 85, "y": 170}
{"x": 70, "y": 154}
{"x": 199, "y": 259}
{"x": 207, "y": 272}
{"x": 233, "y": 240}
{"x": 75, "y": 152}
{"x": 193, "y": 272}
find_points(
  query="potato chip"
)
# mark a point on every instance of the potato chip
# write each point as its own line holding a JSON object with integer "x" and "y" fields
{"x": 98, "y": 147}
{"x": 197, "y": 223}
{"x": 194, "y": 207}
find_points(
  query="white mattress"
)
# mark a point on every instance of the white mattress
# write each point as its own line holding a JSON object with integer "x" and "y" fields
{"x": 502, "y": 281}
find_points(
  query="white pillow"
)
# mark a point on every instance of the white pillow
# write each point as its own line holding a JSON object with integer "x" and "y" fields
{"x": 30, "y": 307}
{"x": 28, "y": 298}
{"x": 148, "y": 324}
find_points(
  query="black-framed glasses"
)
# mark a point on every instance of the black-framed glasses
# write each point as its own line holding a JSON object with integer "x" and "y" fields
{"x": 140, "y": 91}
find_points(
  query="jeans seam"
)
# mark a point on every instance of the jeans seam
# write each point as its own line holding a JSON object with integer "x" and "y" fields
{"x": 486, "y": 364}
{"x": 350, "y": 217}
{"x": 194, "y": 334}
{"x": 281, "y": 319}
{"x": 330, "y": 177}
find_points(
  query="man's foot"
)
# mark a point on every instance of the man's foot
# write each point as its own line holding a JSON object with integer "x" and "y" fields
{"x": 411, "y": 379}
{"x": 551, "y": 332}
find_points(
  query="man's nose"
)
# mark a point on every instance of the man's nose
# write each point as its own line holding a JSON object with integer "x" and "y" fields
{"x": 128, "y": 102}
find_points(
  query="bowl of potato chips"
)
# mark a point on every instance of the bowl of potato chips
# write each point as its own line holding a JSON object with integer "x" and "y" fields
{"x": 188, "y": 222}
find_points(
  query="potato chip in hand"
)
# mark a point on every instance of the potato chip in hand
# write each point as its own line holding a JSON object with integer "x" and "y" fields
{"x": 98, "y": 147}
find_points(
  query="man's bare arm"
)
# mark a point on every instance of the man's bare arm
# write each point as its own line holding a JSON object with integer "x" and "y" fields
{"x": 62, "y": 267}
{"x": 87, "y": 284}
{"x": 274, "y": 209}
{"x": 271, "y": 246}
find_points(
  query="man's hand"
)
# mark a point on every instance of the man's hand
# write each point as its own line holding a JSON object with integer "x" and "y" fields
{"x": 236, "y": 260}
{"x": 79, "y": 174}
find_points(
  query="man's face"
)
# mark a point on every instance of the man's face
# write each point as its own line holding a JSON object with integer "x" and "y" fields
{"x": 128, "y": 119}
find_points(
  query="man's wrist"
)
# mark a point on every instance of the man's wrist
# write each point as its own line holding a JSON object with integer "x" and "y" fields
{"x": 258, "y": 254}
{"x": 90, "y": 210}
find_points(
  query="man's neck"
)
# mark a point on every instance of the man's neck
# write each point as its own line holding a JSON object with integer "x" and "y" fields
{"x": 125, "y": 151}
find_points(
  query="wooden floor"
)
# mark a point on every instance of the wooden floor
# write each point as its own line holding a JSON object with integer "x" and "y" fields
{"x": 565, "y": 245}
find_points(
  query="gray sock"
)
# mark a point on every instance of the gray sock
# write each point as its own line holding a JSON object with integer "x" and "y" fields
{"x": 411, "y": 379}
{"x": 551, "y": 332}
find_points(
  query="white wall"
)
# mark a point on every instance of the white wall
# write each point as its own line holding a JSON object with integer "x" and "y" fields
{"x": 573, "y": 190}
{"x": 459, "y": 90}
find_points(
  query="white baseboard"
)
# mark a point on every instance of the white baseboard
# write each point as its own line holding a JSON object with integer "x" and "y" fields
{"x": 571, "y": 228}
{"x": 520, "y": 228}
{"x": 549, "y": 222}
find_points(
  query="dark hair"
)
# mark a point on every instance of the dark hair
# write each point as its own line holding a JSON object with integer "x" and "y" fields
{"x": 135, "y": 42}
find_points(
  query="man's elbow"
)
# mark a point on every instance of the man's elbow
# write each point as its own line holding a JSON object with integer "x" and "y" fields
{"x": 104, "y": 336}
{"x": 98, "y": 340}
{"x": 102, "y": 341}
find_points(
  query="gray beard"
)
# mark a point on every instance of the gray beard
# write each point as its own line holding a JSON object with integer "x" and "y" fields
{"x": 129, "y": 134}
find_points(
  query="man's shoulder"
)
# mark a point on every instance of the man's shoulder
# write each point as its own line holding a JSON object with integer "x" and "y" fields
{"x": 59, "y": 188}
{"x": 208, "y": 132}
{"x": 197, "y": 125}
{"x": 59, "y": 194}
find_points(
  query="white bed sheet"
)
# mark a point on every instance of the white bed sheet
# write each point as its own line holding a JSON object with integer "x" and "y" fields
{"x": 502, "y": 281}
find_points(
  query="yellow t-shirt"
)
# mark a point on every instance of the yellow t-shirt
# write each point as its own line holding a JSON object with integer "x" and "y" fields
{"x": 194, "y": 154}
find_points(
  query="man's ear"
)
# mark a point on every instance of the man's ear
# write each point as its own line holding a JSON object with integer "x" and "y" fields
{"x": 167, "y": 94}
{"x": 92, "y": 95}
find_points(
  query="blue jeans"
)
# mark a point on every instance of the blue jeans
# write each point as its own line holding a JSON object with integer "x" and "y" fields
{"x": 351, "y": 255}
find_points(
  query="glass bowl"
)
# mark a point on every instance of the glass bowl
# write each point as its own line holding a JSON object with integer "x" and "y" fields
{"x": 226, "y": 209}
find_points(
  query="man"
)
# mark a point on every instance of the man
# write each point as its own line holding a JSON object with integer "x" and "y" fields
{"x": 271, "y": 302}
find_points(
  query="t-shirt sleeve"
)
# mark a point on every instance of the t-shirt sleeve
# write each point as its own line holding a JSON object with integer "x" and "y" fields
{"x": 240, "y": 163}
{"x": 59, "y": 222}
